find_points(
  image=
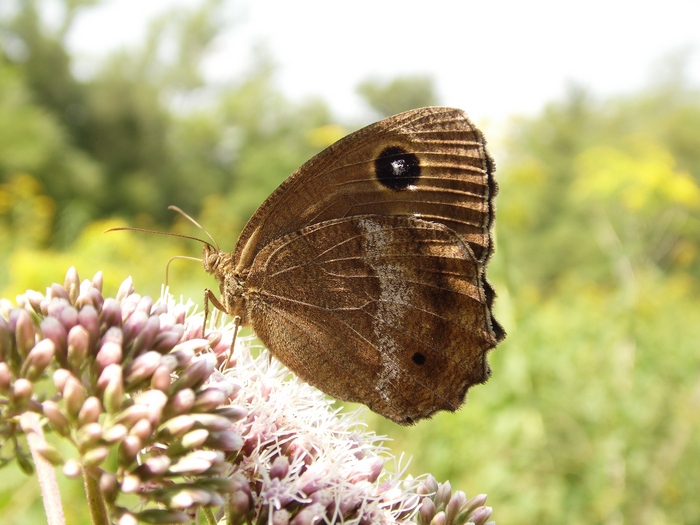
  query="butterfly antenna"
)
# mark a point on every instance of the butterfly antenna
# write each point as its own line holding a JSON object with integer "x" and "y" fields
{"x": 186, "y": 216}
{"x": 155, "y": 232}
{"x": 167, "y": 266}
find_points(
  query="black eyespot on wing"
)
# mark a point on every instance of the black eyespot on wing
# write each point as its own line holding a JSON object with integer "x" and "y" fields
{"x": 396, "y": 168}
{"x": 418, "y": 358}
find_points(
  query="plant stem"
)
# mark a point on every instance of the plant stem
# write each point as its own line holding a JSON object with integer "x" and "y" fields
{"x": 96, "y": 502}
{"x": 31, "y": 426}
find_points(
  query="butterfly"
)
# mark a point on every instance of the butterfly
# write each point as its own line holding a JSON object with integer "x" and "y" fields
{"x": 365, "y": 271}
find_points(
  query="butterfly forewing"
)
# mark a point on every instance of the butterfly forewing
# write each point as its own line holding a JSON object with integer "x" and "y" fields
{"x": 429, "y": 163}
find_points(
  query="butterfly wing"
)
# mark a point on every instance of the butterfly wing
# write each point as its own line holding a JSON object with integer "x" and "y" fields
{"x": 388, "y": 311}
{"x": 429, "y": 163}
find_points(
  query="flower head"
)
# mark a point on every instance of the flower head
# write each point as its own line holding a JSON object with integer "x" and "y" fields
{"x": 133, "y": 380}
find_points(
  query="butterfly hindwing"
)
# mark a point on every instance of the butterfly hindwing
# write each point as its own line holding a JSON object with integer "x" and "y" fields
{"x": 386, "y": 311}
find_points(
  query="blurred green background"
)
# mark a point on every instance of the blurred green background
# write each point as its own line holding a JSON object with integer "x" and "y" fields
{"x": 592, "y": 412}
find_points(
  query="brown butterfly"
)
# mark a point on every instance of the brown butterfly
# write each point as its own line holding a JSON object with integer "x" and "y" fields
{"x": 364, "y": 272}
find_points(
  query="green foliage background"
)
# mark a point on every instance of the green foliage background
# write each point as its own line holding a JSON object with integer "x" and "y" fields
{"x": 593, "y": 409}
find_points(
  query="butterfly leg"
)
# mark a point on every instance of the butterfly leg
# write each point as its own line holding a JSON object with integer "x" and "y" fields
{"x": 210, "y": 297}
{"x": 236, "y": 326}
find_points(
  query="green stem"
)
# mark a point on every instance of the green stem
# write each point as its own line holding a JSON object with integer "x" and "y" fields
{"x": 209, "y": 515}
{"x": 96, "y": 502}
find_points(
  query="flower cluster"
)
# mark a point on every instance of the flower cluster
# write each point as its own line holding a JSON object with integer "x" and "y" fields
{"x": 161, "y": 430}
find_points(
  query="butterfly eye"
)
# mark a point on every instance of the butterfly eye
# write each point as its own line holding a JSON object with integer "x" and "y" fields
{"x": 211, "y": 256}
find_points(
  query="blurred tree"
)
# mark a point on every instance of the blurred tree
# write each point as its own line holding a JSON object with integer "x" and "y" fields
{"x": 145, "y": 132}
{"x": 626, "y": 172}
{"x": 116, "y": 127}
{"x": 387, "y": 98}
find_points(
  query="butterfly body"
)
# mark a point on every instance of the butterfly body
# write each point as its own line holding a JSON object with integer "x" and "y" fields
{"x": 364, "y": 272}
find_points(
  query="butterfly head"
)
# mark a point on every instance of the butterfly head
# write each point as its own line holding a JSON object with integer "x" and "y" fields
{"x": 231, "y": 285}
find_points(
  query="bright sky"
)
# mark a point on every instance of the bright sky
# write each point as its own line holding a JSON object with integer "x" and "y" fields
{"x": 493, "y": 58}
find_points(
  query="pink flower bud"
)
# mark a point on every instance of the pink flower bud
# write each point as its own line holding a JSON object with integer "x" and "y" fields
{"x": 439, "y": 519}
{"x": 60, "y": 377}
{"x": 160, "y": 380}
{"x": 71, "y": 284}
{"x": 155, "y": 466}
{"x": 175, "y": 427}
{"x": 442, "y": 496}
{"x": 141, "y": 368}
{"x": 68, "y": 317}
{"x": 232, "y": 412}
{"x": 211, "y": 421}
{"x": 56, "y": 332}
{"x": 22, "y": 390}
{"x": 111, "y": 315}
{"x": 109, "y": 354}
{"x": 74, "y": 396}
{"x": 145, "y": 305}
{"x": 133, "y": 326}
{"x": 109, "y": 485}
{"x": 90, "y": 411}
{"x": 89, "y": 319}
{"x": 38, "y": 359}
{"x": 240, "y": 504}
{"x": 227, "y": 440}
{"x": 429, "y": 486}
{"x": 97, "y": 281}
{"x": 131, "y": 484}
{"x": 35, "y": 299}
{"x": 72, "y": 469}
{"x": 129, "y": 416}
{"x": 310, "y": 515}
{"x": 182, "y": 401}
{"x": 143, "y": 340}
{"x": 476, "y": 501}
{"x": 57, "y": 420}
{"x": 112, "y": 386}
{"x": 25, "y": 333}
{"x": 125, "y": 289}
{"x": 197, "y": 373}
{"x": 95, "y": 456}
{"x": 5, "y": 377}
{"x": 168, "y": 338}
{"x": 194, "y": 438}
{"x": 78, "y": 344}
{"x": 58, "y": 292}
{"x": 480, "y": 515}
{"x": 115, "y": 434}
{"x": 208, "y": 399}
{"x": 129, "y": 450}
{"x": 457, "y": 502}
{"x": 279, "y": 468}
{"x": 190, "y": 465}
{"x": 89, "y": 435}
{"x": 427, "y": 510}
{"x": 155, "y": 401}
{"x": 143, "y": 429}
